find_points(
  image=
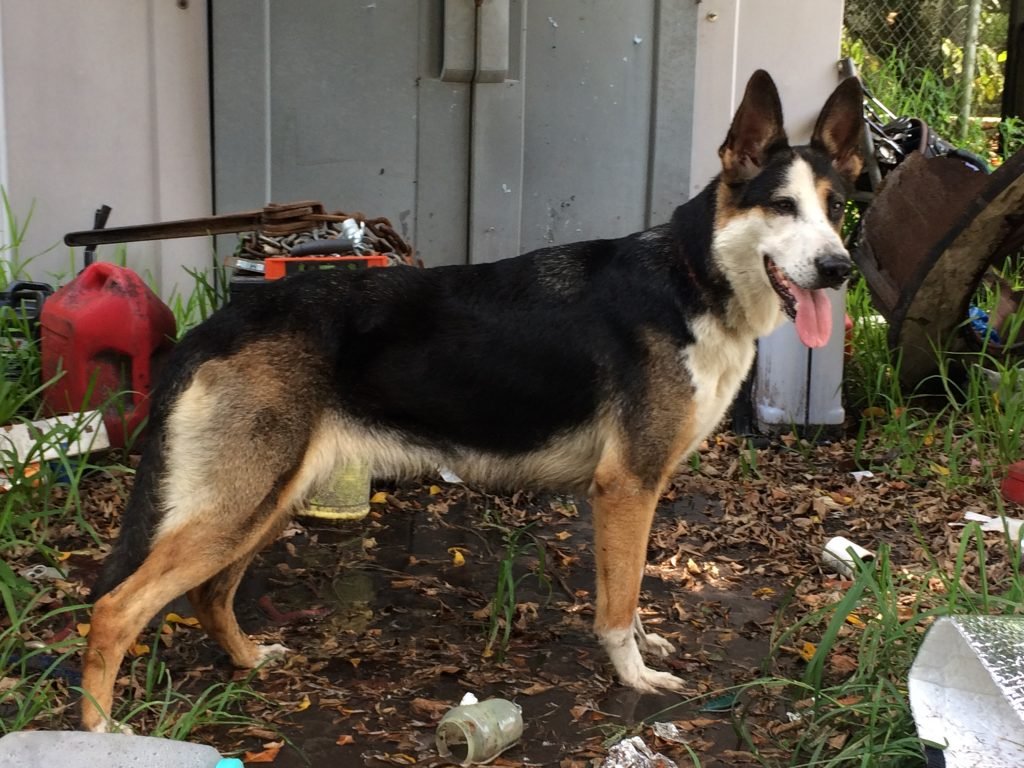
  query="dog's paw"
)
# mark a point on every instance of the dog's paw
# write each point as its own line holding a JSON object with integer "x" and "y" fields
{"x": 654, "y": 644}
{"x": 107, "y": 725}
{"x": 649, "y": 642}
{"x": 647, "y": 680}
{"x": 265, "y": 653}
{"x": 629, "y": 665}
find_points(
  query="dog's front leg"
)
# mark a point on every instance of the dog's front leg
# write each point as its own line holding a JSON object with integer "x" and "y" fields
{"x": 623, "y": 511}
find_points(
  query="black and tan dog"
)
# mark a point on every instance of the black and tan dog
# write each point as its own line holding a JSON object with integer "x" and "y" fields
{"x": 594, "y": 368}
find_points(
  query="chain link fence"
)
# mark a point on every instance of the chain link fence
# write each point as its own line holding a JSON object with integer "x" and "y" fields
{"x": 941, "y": 60}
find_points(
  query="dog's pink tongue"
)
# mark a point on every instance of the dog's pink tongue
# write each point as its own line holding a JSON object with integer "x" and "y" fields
{"x": 813, "y": 316}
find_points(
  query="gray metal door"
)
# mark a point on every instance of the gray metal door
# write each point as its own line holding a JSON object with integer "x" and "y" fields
{"x": 481, "y": 128}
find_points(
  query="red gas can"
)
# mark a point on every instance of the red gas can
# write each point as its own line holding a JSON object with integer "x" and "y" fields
{"x": 105, "y": 331}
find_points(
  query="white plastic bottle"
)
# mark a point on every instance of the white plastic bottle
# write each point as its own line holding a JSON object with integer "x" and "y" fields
{"x": 80, "y": 749}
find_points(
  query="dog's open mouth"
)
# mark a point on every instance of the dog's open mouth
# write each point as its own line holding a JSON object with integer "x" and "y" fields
{"x": 810, "y": 310}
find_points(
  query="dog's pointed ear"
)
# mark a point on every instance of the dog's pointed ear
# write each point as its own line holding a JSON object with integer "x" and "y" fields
{"x": 840, "y": 128}
{"x": 756, "y": 128}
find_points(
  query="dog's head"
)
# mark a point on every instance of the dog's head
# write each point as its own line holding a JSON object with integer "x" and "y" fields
{"x": 780, "y": 208}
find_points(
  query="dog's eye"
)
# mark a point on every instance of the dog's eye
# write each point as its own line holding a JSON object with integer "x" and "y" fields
{"x": 785, "y": 205}
{"x": 835, "y": 208}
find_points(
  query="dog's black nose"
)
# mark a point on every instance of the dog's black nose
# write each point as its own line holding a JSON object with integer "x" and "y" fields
{"x": 834, "y": 268}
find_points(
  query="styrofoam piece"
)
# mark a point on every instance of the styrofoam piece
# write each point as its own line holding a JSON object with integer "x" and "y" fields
{"x": 70, "y": 435}
{"x": 79, "y": 749}
{"x": 967, "y": 690}
{"x": 1010, "y": 525}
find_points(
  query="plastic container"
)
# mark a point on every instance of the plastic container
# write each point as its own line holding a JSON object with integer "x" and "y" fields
{"x": 106, "y": 331}
{"x": 797, "y": 386}
{"x": 1012, "y": 486}
{"x": 281, "y": 266}
{"x": 473, "y": 734}
{"x": 346, "y": 496}
{"x": 81, "y": 749}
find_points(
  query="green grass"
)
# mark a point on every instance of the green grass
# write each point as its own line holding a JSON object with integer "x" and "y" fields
{"x": 160, "y": 708}
{"x": 209, "y": 293}
{"x": 41, "y": 691}
{"x": 858, "y": 714}
{"x": 519, "y": 543}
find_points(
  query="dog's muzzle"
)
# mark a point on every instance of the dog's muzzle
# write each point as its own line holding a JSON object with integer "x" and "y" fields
{"x": 833, "y": 269}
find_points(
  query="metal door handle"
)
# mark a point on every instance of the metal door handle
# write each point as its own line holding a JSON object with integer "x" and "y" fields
{"x": 475, "y": 45}
{"x": 459, "y": 43}
{"x": 492, "y": 41}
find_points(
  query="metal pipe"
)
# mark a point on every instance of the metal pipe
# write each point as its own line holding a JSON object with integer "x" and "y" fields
{"x": 970, "y": 55}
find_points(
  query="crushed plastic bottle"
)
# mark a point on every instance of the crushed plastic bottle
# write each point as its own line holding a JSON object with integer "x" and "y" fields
{"x": 81, "y": 749}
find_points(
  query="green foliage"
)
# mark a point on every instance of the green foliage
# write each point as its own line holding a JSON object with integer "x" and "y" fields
{"x": 988, "y": 75}
{"x": 167, "y": 712}
{"x": 41, "y": 672}
{"x": 12, "y": 265}
{"x": 210, "y": 291}
{"x": 1011, "y": 135}
{"x": 927, "y": 94}
{"x": 504, "y": 603}
{"x": 911, "y": 55}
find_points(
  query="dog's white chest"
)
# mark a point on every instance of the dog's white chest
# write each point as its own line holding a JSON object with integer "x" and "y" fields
{"x": 717, "y": 364}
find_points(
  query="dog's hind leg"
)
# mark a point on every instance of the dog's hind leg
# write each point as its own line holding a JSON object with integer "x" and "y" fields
{"x": 177, "y": 562}
{"x": 213, "y": 602}
{"x": 623, "y": 507}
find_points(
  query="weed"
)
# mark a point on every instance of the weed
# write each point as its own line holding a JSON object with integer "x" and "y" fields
{"x": 163, "y": 709}
{"x": 871, "y": 376}
{"x": 748, "y": 459}
{"x": 13, "y": 266}
{"x": 42, "y": 673}
{"x": 1011, "y": 136}
{"x": 209, "y": 293}
{"x": 504, "y": 603}
{"x": 933, "y": 95}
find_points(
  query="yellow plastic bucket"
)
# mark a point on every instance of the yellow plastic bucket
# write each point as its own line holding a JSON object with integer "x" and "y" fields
{"x": 345, "y": 496}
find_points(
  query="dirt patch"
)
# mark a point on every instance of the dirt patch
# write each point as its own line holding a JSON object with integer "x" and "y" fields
{"x": 408, "y": 625}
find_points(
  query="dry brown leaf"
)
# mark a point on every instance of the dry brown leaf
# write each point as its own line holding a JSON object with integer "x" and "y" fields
{"x": 842, "y": 664}
{"x": 431, "y": 708}
{"x": 267, "y": 755}
{"x": 837, "y": 741}
{"x": 536, "y": 688}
